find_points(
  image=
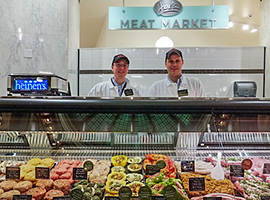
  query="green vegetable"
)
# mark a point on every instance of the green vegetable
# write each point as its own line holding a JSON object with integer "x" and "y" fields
{"x": 88, "y": 189}
{"x": 95, "y": 198}
{"x": 87, "y": 196}
{"x": 91, "y": 184}
{"x": 100, "y": 185}
{"x": 170, "y": 181}
{"x": 98, "y": 192}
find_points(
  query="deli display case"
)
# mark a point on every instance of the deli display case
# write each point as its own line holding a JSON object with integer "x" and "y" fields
{"x": 181, "y": 130}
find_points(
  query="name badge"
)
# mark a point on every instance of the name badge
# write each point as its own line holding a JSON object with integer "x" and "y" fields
{"x": 182, "y": 93}
{"x": 128, "y": 92}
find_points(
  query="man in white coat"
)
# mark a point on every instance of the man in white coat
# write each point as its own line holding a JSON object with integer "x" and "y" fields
{"x": 176, "y": 84}
{"x": 118, "y": 85}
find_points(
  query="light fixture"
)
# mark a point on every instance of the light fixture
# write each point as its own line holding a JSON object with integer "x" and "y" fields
{"x": 254, "y": 30}
{"x": 245, "y": 27}
{"x": 230, "y": 24}
{"x": 164, "y": 41}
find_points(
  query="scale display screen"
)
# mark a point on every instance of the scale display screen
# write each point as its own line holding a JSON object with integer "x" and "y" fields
{"x": 30, "y": 84}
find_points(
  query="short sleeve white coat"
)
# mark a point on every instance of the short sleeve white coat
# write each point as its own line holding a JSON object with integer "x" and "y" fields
{"x": 165, "y": 88}
{"x": 107, "y": 89}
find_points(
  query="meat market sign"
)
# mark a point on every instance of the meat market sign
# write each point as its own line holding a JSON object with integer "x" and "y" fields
{"x": 168, "y": 14}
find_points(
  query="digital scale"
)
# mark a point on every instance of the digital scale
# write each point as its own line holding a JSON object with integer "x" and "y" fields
{"x": 41, "y": 84}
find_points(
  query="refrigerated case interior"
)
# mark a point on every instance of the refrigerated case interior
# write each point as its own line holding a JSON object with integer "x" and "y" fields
{"x": 81, "y": 128}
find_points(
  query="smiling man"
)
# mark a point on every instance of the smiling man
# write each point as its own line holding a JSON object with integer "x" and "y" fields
{"x": 118, "y": 85}
{"x": 176, "y": 84}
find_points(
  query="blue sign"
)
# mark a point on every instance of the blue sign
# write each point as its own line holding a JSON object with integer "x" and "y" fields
{"x": 190, "y": 17}
{"x": 30, "y": 85}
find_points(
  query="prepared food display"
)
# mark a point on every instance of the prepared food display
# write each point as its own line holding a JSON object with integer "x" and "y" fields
{"x": 134, "y": 159}
{"x": 159, "y": 181}
{"x": 211, "y": 185}
{"x": 134, "y": 177}
{"x": 100, "y": 172}
{"x": 118, "y": 169}
{"x": 119, "y": 160}
{"x": 5, "y": 164}
{"x": 105, "y": 179}
{"x": 135, "y": 187}
{"x": 87, "y": 190}
{"x": 117, "y": 176}
{"x": 134, "y": 167}
{"x": 169, "y": 170}
{"x": 113, "y": 186}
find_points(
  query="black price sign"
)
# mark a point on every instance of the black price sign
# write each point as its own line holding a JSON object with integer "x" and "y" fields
{"x": 169, "y": 192}
{"x": 266, "y": 168}
{"x": 151, "y": 169}
{"x": 187, "y": 166}
{"x": 62, "y": 198}
{"x": 161, "y": 164}
{"x": 265, "y": 197}
{"x": 42, "y": 173}
{"x": 212, "y": 198}
{"x": 13, "y": 173}
{"x": 196, "y": 183}
{"x": 22, "y": 197}
{"x": 79, "y": 173}
{"x": 145, "y": 193}
{"x": 236, "y": 170}
{"x": 125, "y": 193}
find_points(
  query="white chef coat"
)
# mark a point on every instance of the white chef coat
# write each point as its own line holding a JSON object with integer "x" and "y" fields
{"x": 107, "y": 89}
{"x": 166, "y": 88}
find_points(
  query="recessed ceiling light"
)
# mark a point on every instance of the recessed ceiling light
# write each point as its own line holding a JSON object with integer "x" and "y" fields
{"x": 245, "y": 27}
{"x": 254, "y": 30}
{"x": 230, "y": 24}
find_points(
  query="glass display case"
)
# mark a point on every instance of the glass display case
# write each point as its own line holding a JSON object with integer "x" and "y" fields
{"x": 81, "y": 128}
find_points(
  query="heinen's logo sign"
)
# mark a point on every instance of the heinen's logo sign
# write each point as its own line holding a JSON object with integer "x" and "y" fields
{"x": 168, "y": 7}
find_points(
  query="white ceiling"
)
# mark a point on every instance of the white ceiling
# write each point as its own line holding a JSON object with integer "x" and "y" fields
{"x": 94, "y": 13}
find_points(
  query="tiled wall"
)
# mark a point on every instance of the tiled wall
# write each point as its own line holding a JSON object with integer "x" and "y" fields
{"x": 217, "y": 84}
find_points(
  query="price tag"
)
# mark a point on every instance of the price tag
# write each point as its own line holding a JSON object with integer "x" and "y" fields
{"x": 12, "y": 172}
{"x": 266, "y": 168}
{"x": 125, "y": 193}
{"x": 62, "y": 198}
{"x": 88, "y": 165}
{"x": 169, "y": 193}
{"x": 187, "y": 166}
{"x": 151, "y": 169}
{"x": 246, "y": 164}
{"x": 42, "y": 173}
{"x": 236, "y": 170}
{"x": 22, "y": 197}
{"x": 161, "y": 164}
{"x": 212, "y": 198}
{"x": 145, "y": 193}
{"x": 196, "y": 184}
{"x": 265, "y": 197}
{"x": 79, "y": 173}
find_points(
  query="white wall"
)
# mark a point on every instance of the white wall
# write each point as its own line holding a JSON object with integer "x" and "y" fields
{"x": 212, "y": 58}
